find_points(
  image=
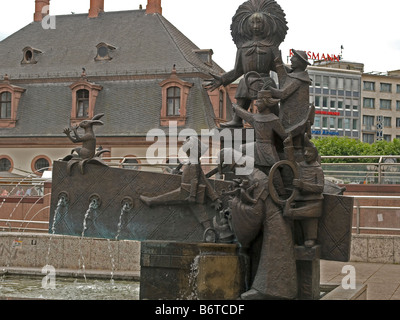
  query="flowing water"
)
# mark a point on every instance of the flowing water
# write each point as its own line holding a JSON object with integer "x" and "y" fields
{"x": 24, "y": 287}
{"x": 92, "y": 206}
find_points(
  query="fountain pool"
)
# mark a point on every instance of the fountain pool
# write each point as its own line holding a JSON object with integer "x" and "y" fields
{"x": 30, "y": 287}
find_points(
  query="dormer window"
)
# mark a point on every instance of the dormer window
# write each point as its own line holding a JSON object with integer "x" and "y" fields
{"x": 9, "y": 101}
{"x": 30, "y": 55}
{"x": 84, "y": 95}
{"x": 205, "y": 55}
{"x": 5, "y": 105}
{"x": 82, "y": 103}
{"x": 174, "y": 99}
{"x": 104, "y": 51}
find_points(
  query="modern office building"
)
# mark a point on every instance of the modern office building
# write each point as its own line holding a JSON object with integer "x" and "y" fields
{"x": 353, "y": 103}
{"x": 380, "y": 106}
{"x": 336, "y": 94}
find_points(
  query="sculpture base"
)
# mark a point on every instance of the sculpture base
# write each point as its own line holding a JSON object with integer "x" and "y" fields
{"x": 191, "y": 271}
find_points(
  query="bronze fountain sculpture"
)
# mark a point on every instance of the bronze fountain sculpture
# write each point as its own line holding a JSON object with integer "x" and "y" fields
{"x": 87, "y": 153}
{"x": 257, "y": 28}
{"x": 283, "y": 215}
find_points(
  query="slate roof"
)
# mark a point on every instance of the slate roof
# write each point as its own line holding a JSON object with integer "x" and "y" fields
{"x": 145, "y": 45}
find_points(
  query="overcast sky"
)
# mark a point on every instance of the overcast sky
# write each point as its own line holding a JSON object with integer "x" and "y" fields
{"x": 368, "y": 30}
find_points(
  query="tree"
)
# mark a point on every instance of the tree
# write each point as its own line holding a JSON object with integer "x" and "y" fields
{"x": 335, "y": 146}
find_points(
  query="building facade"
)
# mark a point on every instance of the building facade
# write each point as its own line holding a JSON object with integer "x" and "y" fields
{"x": 336, "y": 94}
{"x": 133, "y": 66}
{"x": 353, "y": 103}
{"x": 381, "y": 106}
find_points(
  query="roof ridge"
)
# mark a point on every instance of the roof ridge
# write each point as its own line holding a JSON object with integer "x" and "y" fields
{"x": 163, "y": 20}
{"x": 200, "y": 67}
{"x": 100, "y": 14}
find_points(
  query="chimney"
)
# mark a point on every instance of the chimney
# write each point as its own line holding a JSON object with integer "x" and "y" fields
{"x": 39, "y": 5}
{"x": 96, "y": 6}
{"x": 153, "y": 6}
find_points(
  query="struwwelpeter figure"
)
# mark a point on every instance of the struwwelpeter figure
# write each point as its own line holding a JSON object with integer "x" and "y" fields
{"x": 258, "y": 27}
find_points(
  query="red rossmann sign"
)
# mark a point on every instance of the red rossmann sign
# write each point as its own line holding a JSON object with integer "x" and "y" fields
{"x": 328, "y": 113}
{"x": 318, "y": 56}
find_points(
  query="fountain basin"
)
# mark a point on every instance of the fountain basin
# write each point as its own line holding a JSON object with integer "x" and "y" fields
{"x": 28, "y": 256}
{"x": 191, "y": 271}
{"x": 17, "y": 287}
{"x": 35, "y": 250}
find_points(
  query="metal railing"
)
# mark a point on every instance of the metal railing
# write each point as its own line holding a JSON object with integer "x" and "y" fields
{"x": 43, "y": 226}
{"x": 364, "y": 169}
{"x": 358, "y": 228}
{"x": 357, "y": 207}
{"x": 16, "y": 191}
{"x": 380, "y": 169}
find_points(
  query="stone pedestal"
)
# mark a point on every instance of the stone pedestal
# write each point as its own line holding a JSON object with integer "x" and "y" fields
{"x": 191, "y": 271}
{"x": 308, "y": 272}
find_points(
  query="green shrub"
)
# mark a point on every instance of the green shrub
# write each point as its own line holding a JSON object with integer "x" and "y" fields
{"x": 335, "y": 146}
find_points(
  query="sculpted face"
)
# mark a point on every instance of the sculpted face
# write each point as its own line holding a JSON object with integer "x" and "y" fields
{"x": 261, "y": 105}
{"x": 296, "y": 62}
{"x": 257, "y": 24}
{"x": 310, "y": 154}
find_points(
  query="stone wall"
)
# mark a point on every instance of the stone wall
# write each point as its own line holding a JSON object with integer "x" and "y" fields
{"x": 375, "y": 248}
{"x": 30, "y": 250}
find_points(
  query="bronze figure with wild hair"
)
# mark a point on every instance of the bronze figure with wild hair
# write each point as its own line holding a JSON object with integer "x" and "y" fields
{"x": 257, "y": 28}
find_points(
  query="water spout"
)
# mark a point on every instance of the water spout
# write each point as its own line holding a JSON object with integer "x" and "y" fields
{"x": 93, "y": 206}
{"x": 127, "y": 206}
{"x": 63, "y": 201}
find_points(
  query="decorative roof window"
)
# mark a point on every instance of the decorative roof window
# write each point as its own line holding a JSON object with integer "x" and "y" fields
{"x": 30, "y": 55}
{"x": 174, "y": 99}
{"x": 84, "y": 95}
{"x": 205, "y": 55}
{"x": 9, "y": 101}
{"x": 104, "y": 51}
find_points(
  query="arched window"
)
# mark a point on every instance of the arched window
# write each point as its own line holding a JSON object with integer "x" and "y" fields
{"x": 131, "y": 164}
{"x": 30, "y": 55}
{"x": 5, "y": 164}
{"x": 82, "y": 103}
{"x": 9, "y": 101}
{"x": 5, "y": 105}
{"x": 84, "y": 95}
{"x": 103, "y": 51}
{"x": 175, "y": 94}
{"x": 40, "y": 163}
{"x": 173, "y": 101}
